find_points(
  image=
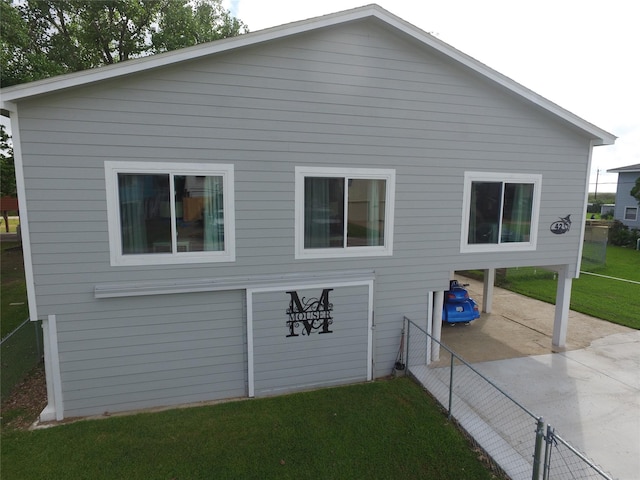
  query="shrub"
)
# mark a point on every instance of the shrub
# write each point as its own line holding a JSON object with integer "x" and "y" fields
{"x": 621, "y": 235}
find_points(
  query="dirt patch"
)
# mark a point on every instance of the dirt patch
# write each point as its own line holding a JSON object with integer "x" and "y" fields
{"x": 26, "y": 401}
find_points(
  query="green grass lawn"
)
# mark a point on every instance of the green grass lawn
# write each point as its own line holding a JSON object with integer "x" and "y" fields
{"x": 13, "y": 224}
{"x": 13, "y": 301}
{"x": 611, "y": 300}
{"x": 385, "y": 429}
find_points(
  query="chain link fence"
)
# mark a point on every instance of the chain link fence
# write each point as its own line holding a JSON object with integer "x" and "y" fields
{"x": 594, "y": 247}
{"x": 20, "y": 351}
{"x": 510, "y": 434}
{"x": 562, "y": 461}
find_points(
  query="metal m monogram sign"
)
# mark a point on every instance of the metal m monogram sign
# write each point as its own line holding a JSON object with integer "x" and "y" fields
{"x": 309, "y": 315}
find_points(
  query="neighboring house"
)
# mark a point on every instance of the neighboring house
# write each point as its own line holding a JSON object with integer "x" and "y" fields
{"x": 627, "y": 209}
{"x": 258, "y": 214}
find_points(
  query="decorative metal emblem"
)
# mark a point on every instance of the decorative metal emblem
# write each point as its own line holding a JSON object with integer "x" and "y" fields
{"x": 314, "y": 314}
{"x": 561, "y": 226}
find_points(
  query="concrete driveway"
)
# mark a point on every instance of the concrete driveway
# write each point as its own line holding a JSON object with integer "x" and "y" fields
{"x": 589, "y": 391}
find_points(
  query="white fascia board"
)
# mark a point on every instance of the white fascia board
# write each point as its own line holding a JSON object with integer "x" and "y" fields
{"x": 129, "y": 67}
{"x": 628, "y": 169}
{"x": 219, "y": 46}
{"x": 602, "y": 137}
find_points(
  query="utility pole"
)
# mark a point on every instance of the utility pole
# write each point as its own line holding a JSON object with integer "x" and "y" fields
{"x": 597, "y": 175}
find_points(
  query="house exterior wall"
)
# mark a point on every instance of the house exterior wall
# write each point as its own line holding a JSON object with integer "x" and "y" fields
{"x": 357, "y": 96}
{"x": 626, "y": 181}
{"x": 164, "y": 351}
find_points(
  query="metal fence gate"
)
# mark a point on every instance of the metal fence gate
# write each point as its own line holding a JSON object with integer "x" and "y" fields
{"x": 561, "y": 460}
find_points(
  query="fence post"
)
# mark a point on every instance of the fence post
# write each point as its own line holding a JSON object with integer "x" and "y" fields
{"x": 450, "y": 385}
{"x": 407, "y": 343}
{"x": 537, "y": 455}
{"x": 547, "y": 452}
{"x": 38, "y": 329}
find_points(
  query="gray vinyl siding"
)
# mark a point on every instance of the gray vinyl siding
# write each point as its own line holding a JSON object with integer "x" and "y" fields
{"x": 357, "y": 96}
{"x": 284, "y": 363}
{"x": 172, "y": 350}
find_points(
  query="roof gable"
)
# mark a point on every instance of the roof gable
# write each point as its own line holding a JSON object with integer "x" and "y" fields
{"x": 628, "y": 169}
{"x": 14, "y": 94}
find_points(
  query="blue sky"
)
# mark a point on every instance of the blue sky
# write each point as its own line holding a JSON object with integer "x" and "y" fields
{"x": 581, "y": 54}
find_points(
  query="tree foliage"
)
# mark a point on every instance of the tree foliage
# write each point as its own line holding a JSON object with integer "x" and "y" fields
{"x": 7, "y": 168}
{"x": 43, "y": 38}
{"x": 635, "y": 191}
{"x": 182, "y": 25}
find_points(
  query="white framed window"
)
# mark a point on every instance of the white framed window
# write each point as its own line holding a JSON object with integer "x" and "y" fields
{"x": 500, "y": 212}
{"x": 631, "y": 213}
{"x": 170, "y": 213}
{"x": 344, "y": 212}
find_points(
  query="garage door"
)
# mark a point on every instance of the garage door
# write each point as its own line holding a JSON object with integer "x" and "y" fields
{"x": 311, "y": 336}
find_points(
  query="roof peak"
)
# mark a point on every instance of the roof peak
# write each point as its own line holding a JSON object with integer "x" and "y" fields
{"x": 16, "y": 93}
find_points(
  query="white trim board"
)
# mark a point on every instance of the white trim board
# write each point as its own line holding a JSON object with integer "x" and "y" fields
{"x": 25, "y": 231}
{"x": 113, "y": 168}
{"x": 193, "y": 285}
{"x": 386, "y": 174}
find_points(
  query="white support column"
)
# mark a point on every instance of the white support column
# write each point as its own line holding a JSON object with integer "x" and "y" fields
{"x": 487, "y": 291}
{"x": 438, "y": 298}
{"x": 563, "y": 300}
{"x": 250, "y": 358}
{"x": 54, "y": 409}
{"x": 429, "y": 326}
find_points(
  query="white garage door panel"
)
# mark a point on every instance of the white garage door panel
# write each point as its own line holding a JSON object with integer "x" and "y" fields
{"x": 308, "y": 337}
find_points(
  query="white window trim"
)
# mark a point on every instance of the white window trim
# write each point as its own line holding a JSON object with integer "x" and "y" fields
{"x": 470, "y": 177}
{"x": 357, "y": 173}
{"x": 112, "y": 169}
{"x": 626, "y": 209}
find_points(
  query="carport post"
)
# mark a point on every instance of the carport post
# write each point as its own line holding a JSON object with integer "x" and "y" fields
{"x": 563, "y": 300}
{"x": 487, "y": 291}
{"x": 438, "y": 300}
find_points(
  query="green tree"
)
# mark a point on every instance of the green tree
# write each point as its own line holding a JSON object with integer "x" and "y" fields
{"x": 43, "y": 38}
{"x": 7, "y": 168}
{"x": 635, "y": 191}
{"x": 22, "y": 59}
{"x": 185, "y": 24}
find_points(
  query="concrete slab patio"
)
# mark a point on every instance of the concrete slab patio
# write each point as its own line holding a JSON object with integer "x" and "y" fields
{"x": 520, "y": 326}
{"x": 589, "y": 391}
